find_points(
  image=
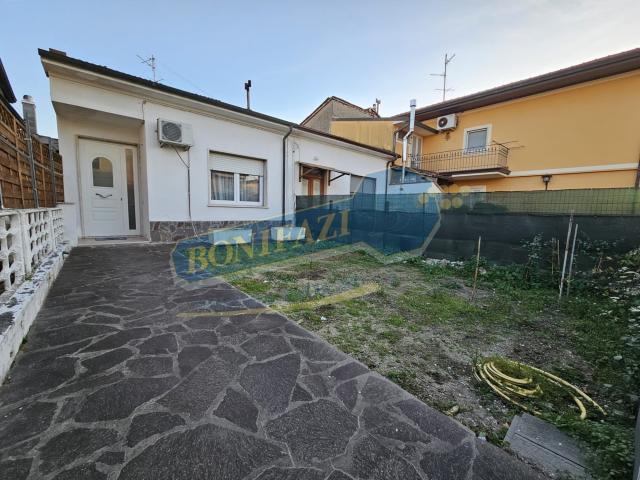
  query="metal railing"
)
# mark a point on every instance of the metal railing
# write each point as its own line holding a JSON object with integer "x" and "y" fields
{"x": 27, "y": 237}
{"x": 465, "y": 160}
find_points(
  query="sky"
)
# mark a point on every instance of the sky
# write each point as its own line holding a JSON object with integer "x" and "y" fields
{"x": 297, "y": 53}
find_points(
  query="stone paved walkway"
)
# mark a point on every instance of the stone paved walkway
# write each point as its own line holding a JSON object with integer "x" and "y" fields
{"x": 114, "y": 384}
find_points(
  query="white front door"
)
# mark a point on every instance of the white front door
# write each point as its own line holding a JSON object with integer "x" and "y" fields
{"x": 108, "y": 180}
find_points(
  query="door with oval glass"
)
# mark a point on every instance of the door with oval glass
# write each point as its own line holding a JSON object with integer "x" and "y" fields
{"x": 108, "y": 189}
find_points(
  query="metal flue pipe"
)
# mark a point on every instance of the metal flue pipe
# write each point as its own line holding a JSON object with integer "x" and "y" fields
{"x": 405, "y": 139}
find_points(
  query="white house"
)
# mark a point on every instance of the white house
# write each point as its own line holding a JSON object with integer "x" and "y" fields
{"x": 240, "y": 166}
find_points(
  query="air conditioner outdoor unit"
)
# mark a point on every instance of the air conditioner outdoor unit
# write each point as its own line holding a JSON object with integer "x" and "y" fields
{"x": 447, "y": 122}
{"x": 175, "y": 134}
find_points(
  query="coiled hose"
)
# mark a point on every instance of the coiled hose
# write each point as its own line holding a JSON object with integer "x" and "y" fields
{"x": 496, "y": 372}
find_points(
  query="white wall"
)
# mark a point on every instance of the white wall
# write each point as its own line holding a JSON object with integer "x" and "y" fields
{"x": 69, "y": 92}
{"x": 315, "y": 151}
{"x": 167, "y": 175}
{"x": 100, "y": 112}
{"x": 413, "y": 188}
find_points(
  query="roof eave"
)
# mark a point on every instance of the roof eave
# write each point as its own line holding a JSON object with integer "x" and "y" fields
{"x": 5, "y": 85}
{"x": 52, "y": 58}
{"x": 585, "y": 72}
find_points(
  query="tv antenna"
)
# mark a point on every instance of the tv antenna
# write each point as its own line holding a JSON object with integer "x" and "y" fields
{"x": 444, "y": 88}
{"x": 151, "y": 63}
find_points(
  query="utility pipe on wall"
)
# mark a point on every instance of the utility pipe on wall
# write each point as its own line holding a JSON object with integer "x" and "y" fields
{"x": 284, "y": 173}
{"x": 394, "y": 139}
{"x": 405, "y": 139}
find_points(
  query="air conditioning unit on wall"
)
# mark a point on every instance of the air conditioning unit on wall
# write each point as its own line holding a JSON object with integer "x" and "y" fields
{"x": 175, "y": 134}
{"x": 447, "y": 122}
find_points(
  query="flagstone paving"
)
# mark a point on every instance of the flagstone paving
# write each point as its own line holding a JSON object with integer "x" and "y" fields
{"x": 113, "y": 383}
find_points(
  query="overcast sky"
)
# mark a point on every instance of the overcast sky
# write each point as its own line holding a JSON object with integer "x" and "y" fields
{"x": 299, "y": 52}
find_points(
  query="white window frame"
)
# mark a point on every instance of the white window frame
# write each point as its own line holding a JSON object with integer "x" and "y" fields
{"x": 236, "y": 185}
{"x": 487, "y": 127}
{"x": 236, "y": 190}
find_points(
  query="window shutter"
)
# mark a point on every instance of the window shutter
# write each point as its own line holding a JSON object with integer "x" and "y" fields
{"x": 228, "y": 163}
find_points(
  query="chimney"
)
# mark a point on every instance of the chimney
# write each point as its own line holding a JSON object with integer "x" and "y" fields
{"x": 29, "y": 113}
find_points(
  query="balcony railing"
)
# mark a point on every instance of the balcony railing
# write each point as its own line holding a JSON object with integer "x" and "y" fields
{"x": 491, "y": 157}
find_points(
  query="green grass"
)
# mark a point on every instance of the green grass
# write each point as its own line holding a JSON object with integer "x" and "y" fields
{"x": 406, "y": 378}
{"x": 395, "y": 320}
{"x": 252, "y": 286}
{"x": 438, "y": 306}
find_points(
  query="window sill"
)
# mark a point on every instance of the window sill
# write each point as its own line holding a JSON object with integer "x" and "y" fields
{"x": 235, "y": 205}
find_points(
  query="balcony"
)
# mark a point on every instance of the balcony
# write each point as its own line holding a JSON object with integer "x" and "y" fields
{"x": 483, "y": 162}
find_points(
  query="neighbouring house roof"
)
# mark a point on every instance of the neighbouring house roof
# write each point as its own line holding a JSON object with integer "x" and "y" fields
{"x": 366, "y": 119}
{"x": 63, "y": 58}
{"x": 584, "y": 72}
{"x": 5, "y": 85}
{"x": 368, "y": 111}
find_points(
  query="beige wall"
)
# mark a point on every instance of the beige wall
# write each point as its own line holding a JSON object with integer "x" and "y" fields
{"x": 322, "y": 119}
{"x": 378, "y": 133}
{"x": 586, "y": 136}
{"x": 612, "y": 179}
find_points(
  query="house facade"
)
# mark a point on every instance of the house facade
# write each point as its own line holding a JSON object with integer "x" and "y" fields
{"x": 333, "y": 108}
{"x": 240, "y": 166}
{"x": 569, "y": 129}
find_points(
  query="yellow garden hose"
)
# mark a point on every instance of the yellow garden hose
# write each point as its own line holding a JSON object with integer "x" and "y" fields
{"x": 491, "y": 371}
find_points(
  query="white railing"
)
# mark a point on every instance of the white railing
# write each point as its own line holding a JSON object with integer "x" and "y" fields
{"x": 11, "y": 267}
{"x": 27, "y": 237}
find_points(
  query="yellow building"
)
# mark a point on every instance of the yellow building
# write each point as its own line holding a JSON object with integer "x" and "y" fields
{"x": 578, "y": 127}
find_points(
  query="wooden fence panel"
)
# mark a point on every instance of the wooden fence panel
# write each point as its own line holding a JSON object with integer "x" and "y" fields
{"x": 15, "y": 169}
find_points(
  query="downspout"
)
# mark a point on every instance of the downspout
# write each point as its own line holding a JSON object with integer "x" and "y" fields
{"x": 405, "y": 139}
{"x": 284, "y": 173}
{"x": 394, "y": 139}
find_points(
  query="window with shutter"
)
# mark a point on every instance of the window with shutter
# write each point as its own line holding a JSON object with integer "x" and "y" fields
{"x": 236, "y": 180}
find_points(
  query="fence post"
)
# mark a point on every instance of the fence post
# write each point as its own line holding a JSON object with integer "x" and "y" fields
{"x": 53, "y": 174}
{"x": 18, "y": 160}
{"x": 34, "y": 182}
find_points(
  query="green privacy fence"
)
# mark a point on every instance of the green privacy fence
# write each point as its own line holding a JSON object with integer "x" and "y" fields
{"x": 504, "y": 220}
{"x": 606, "y": 201}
